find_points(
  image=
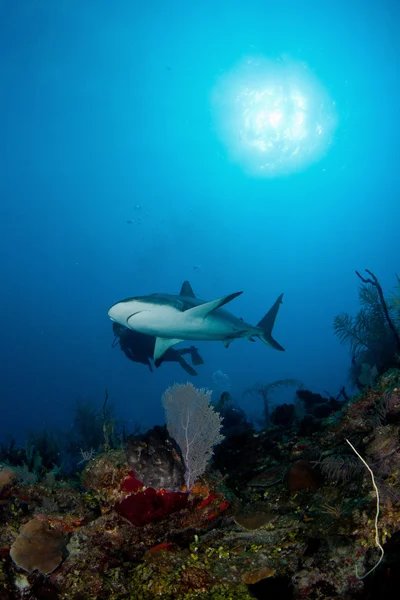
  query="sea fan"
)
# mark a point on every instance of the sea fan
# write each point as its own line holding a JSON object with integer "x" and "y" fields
{"x": 394, "y": 303}
{"x": 373, "y": 334}
{"x": 352, "y": 330}
{"x": 264, "y": 390}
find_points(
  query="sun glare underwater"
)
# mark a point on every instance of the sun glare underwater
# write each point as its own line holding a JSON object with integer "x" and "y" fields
{"x": 274, "y": 116}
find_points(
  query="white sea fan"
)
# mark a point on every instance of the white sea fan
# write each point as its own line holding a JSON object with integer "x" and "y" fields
{"x": 194, "y": 425}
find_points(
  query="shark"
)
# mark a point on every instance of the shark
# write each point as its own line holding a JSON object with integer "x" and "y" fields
{"x": 173, "y": 318}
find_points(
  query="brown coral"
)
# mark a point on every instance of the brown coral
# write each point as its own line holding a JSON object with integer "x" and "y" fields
{"x": 256, "y": 575}
{"x": 254, "y": 521}
{"x": 38, "y": 547}
{"x": 6, "y": 476}
{"x": 301, "y": 477}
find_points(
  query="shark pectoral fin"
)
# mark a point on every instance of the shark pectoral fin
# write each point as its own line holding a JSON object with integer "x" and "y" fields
{"x": 186, "y": 290}
{"x": 227, "y": 343}
{"x": 162, "y": 345}
{"x": 201, "y": 311}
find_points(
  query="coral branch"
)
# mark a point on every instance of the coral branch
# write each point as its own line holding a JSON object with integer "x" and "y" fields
{"x": 377, "y": 542}
{"x": 374, "y": 281}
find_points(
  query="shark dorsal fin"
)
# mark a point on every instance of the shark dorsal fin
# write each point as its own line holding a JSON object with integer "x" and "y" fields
{"x": 162, "y": 345}
{"x": 201, "y": 311}
{"x": 186, "y": 290}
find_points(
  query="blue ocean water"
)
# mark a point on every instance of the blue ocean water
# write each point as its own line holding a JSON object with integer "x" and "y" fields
{"x": 114, "y": 183}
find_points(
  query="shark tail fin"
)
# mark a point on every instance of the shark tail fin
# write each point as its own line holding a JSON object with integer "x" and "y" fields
{"x": 267, "y": 323}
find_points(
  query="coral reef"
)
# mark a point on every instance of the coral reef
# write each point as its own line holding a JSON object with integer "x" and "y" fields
{"x": 284, "y": 512}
